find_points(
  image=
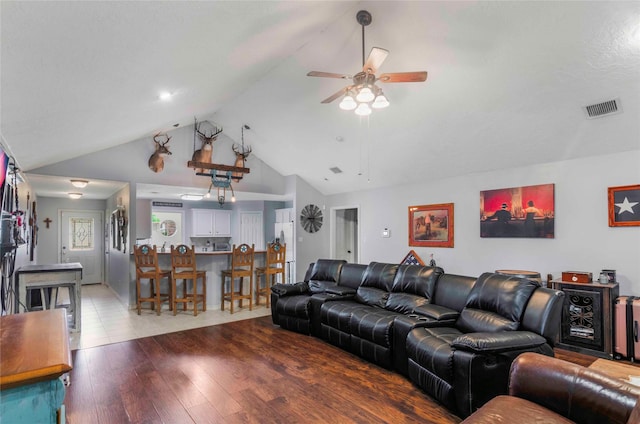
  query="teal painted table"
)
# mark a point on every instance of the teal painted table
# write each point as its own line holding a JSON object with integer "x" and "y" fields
{"x": 34, "y": 354}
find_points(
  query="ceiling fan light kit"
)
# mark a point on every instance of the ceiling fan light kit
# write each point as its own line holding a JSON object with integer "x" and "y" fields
{"x": 364, "y": 95}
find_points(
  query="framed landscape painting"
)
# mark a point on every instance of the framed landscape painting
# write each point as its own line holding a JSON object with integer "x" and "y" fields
{"x": 624, "y": 206}
{"x": 431, "y": 225}
{"x": 527, "y": 211}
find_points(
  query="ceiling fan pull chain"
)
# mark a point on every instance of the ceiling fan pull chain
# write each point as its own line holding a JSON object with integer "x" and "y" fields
{"x": 363, "y": 59}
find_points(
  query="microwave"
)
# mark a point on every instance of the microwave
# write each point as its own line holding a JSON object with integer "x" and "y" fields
{"x": 221, "y": 247}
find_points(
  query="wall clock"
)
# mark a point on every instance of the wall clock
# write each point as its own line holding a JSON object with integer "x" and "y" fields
{"x": 311, "y": 218}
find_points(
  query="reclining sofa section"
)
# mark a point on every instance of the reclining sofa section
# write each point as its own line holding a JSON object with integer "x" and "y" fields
{"x": 453, "y": 336}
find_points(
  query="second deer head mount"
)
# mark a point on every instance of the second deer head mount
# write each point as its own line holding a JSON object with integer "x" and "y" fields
{"x": 209, "y": 169}
{"x": 208, "y": 134}
{"x": 242, "y": 153}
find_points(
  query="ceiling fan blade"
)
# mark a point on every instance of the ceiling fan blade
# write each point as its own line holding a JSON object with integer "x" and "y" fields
{"x": 404, "y": 77}
{"x": 337, "y": 94}
{"x": 328, "y": 75}
{"x": 375, "y": 59}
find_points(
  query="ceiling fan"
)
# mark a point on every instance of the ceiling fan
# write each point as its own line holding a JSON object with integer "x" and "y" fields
{"x": 363, "y": 94}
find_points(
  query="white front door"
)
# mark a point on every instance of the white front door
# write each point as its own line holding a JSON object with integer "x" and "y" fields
{"x": 81, "y": 241}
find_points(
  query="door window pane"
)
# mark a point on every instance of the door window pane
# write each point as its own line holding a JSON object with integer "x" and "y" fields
{"x": 81, "y": 233}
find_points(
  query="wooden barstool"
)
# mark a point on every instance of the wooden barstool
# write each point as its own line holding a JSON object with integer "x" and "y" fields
{"x": 241, "y": 267}
{"x": 147, "y": 267}
{"x": 276, "y": 254}
{"x": 183, "y": 267}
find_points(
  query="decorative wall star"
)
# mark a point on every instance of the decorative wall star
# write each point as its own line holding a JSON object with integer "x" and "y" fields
{"x": 626, "y": 206}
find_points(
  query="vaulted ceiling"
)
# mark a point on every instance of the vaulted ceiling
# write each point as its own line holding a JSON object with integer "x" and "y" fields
{"x": 506, "y": 88}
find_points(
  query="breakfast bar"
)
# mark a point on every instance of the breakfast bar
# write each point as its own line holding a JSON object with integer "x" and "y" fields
{"x": 213, "y": 262}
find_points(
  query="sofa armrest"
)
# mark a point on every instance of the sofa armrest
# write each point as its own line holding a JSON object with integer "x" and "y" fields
{"x": 436, "y": 312}
{"x": 504, "y": 341}
{"x": 341, "y": 291}
{"x": 573, "y": 391}
{"x": 290, "y": 289}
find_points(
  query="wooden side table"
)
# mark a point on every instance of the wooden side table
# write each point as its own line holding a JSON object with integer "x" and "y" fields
{"x": 34, "y": 354}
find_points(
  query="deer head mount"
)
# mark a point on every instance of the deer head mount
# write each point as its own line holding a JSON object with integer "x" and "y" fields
{"x": 207, "y": 137}
{"x": 156, "y": 161}
{"x": 241, "y": 156}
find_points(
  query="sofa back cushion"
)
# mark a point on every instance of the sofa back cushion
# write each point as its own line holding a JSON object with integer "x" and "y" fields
{"x": 496, "y": 303}
{"x": 452, "y": 291}
{"x": 325, "y": 273}
{"x": 352, "y": 275}
{"x": 412, "y": 286}
{"x": 376, "y": 284}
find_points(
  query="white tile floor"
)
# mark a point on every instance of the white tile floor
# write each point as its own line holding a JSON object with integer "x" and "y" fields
{"x": 106, "y": 320}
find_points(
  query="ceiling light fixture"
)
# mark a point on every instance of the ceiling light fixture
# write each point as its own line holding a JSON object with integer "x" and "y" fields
{"x": 165, "y": 96}
{"x": 222, "y": 182}
{"x": 79, "y": 183}
{"x": 363, "y": 94}
{"x": 75, "y": 195}
{"x": 188, "y": 196}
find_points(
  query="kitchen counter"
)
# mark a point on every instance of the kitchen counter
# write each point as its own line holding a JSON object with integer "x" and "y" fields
{"x": 212, "y": 252}
{"x": 212, "y": 262}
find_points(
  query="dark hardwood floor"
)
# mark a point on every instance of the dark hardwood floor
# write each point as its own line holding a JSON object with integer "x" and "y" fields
{"x": 242, "y": 372}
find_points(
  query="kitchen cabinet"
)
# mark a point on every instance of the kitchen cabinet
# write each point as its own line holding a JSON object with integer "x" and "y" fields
{"x": 210, "y": 223}
{"x": 221, "y": 223}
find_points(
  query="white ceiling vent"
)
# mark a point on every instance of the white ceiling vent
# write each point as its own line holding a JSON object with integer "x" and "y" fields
{"x": 598, "y": 110}
{"x": 336, "y": 170}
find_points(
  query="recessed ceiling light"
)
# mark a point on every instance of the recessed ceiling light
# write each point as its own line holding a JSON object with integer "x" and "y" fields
{"x": 191, "y": 197}
{"x": 165, "y": 96}
{"x": 79, "y": 183}
{"x": 75, "y": 195}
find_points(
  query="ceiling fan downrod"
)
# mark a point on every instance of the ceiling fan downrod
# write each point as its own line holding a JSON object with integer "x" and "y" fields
{"x": 364, "y": 19}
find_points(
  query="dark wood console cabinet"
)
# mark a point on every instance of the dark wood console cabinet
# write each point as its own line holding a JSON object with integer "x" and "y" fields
{"x": 587, "y": 317}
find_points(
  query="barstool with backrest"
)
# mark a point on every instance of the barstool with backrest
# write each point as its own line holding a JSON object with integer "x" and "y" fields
{"x": 241, "y": 267}
{"x": 183, "y": 267}
{"x": 275, "y": 258}
{"x": 147, "y": 267}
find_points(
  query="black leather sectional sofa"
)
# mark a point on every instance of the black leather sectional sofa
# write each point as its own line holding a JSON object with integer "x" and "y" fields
{"x": 454, "y": 336}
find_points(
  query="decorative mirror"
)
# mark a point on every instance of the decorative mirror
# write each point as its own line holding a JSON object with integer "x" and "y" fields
{"x": 168, "y": 227}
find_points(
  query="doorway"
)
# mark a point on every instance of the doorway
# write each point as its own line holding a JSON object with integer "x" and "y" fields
{"x": 345, "y": 233}
{"x": 80, "y": 240}
{"x": 252, "y": 229}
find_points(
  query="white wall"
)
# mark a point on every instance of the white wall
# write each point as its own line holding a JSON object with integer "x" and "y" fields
{"x": 309, "y": 246}
{"x": 120, "y": 270}
{"x": 583, "y": 240}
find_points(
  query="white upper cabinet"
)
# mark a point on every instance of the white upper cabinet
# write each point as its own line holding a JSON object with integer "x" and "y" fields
{"x": 222, "y": 223}
{"x": 210, "y": 223}
{"x": 201, "y": 223}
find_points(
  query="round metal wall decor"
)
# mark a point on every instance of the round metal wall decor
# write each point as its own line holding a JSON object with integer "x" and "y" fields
{"x": 311, "y": 218}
